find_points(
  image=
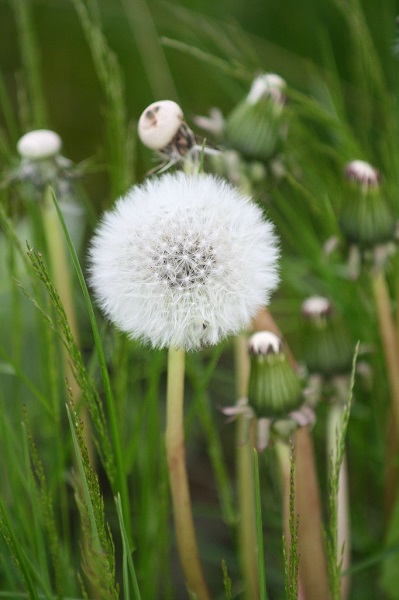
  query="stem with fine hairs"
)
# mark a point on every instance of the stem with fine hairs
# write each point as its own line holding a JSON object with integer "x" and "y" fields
{"x": 176, "y": 457}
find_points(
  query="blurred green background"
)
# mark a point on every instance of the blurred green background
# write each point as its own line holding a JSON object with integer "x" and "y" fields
{"x": 305, "y": 42}
{"x": 289, "y": 37}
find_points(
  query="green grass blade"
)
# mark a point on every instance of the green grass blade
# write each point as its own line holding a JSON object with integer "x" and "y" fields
{"x": 17, "y": 552}
{"x": 129, "y": 570}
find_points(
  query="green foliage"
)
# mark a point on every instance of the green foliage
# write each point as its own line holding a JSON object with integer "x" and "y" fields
{"x": 340, "y": 65}
{"x": 333, "y": 551}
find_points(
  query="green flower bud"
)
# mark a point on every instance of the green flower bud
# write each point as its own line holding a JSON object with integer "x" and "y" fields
{"x": 326, "y": 346}
{"x": 254, "y": 125}
{"x": 274, "y": 387}
{"x": 365, "y": 217}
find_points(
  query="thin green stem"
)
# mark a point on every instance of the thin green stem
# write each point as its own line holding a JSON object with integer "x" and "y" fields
{"x": 176, "y": 456}
{"x": 31, "y": 62}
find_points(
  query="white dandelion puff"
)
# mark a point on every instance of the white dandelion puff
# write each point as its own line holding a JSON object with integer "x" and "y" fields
{"x": 183, "y": 261}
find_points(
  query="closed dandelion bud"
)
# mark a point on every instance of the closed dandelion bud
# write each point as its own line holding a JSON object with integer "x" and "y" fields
{"x": 274, "y": 387}
{"x": 254, "y": 126}
{"x": 326, "y": 346}
{"x": 365, "y": 217}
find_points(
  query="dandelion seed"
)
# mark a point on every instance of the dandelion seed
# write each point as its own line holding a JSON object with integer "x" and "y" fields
{"x": 183, "y": 261}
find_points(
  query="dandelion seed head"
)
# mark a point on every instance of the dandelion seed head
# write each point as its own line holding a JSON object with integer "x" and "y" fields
{"x": 183, "y": 261}
{"x": 159, "y": 124}
{"x": 39, "y": 144}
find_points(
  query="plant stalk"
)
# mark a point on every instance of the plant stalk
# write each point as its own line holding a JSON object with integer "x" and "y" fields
{"x": 312, "y": 563}
{"x": 61, "y": 275}
{"x": 334, "y": 421}
{"x": 176, "y": 457}
{"x": 390, "y": 346}
{"x": 245, "y": 443}
{"x": 313, "y": 573}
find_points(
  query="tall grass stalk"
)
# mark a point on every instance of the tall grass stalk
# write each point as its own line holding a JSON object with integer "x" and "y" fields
{"x": 119, "y": 483}
{"x": 60, "y": 270}
{"x": 176, "y": 456}
{"x": 151, "y": 51}
{"x": 31, "y": 63}
{"x": 334, "y": 422}
{"x": 120, "y": 138}
{"x": 335, "y": 541}
{"x": 293, "y": 587}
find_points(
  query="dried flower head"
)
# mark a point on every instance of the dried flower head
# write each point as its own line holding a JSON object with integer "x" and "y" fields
{"x": 39, "y": 144}
{"x": 159, "y": 123}
{"x": 183, "y": 261}
{"x": 162, "y": 128}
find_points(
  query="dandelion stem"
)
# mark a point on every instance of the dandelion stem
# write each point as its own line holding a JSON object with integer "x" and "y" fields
{"x": 176, "y": 456}
{"x": 312, "y": 562}
{"x": 245, "y": 444}
{"x": 391, "y": 351}
{"x": 61, "y": 276}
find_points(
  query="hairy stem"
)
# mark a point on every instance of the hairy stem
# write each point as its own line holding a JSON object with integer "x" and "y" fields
{"x": 176, "y": 456}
